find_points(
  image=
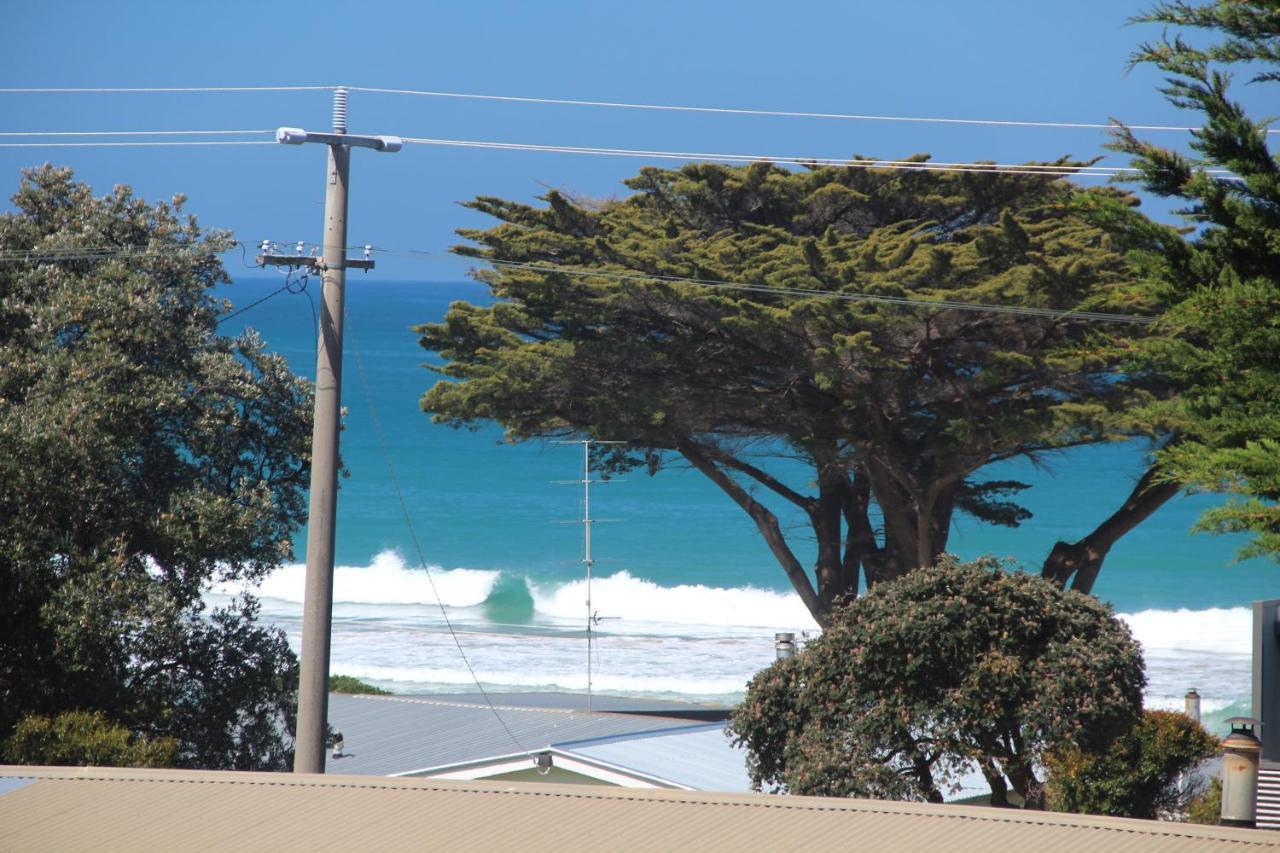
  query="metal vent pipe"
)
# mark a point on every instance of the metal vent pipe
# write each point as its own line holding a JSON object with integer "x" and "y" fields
{"x": 784, "y": 645}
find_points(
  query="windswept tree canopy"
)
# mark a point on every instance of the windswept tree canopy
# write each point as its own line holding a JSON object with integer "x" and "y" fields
{"x": 732, "y": 315}
{"x": 143, "y": 456}
{"x": 1221, "y": 341}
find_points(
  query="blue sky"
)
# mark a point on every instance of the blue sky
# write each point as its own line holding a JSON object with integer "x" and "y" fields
{"x": 991, "y": 60}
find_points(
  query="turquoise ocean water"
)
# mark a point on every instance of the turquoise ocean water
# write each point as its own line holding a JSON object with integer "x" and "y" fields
{"x": 691, "y": 595}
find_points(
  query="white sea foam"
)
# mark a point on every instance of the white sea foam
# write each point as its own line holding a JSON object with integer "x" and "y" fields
{"x": 1218, "y": 630}
{"x": 385, "y": 581}
{"x": 440, "y": 679}
{"x": 690, "y": 639}
{"x": 636, "y": 601}
{"x": 1178, "y": 703}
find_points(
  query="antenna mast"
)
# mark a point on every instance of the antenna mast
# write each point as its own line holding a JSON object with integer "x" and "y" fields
{"x": 586, "y": 521}
{"x": 586, "y": 552}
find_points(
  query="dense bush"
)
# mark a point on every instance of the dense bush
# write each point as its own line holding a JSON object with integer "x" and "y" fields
{"x": 84, "y": 738}
{"x": 1139, "y": 776}
{"x": 351, "y": 684}
{"x": 939, "y": 671}
{"x": 1206, "y": 807}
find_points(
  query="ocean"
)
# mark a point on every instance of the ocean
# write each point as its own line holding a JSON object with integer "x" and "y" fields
{"x": 688, "y": 596}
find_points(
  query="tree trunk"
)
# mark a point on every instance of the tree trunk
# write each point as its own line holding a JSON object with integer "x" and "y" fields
{"x": 767, "y": 523}
{"x": 1028, "y": 787}
{"x": 933, "y": 524}
{"x": 1083, "y": 559}
{"x": 899, "y": 523}
{"x": 922, "y": 769}
{"x": 860, "y": 548}
{"x": 995, "y": 779}
{"x": 826, "y": 516}
{"x": 898, "y": 556}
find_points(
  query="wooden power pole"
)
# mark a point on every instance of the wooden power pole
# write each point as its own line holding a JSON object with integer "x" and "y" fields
{"x": 317, "y": 608}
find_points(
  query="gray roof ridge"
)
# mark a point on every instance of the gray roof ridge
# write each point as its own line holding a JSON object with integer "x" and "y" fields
{"x": 595, "y": 741}
{"x": 413, "y": 700}
{"x": 429, "y": 772}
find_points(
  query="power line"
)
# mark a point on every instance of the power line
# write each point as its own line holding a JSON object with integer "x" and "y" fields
{"x": 576, "y": 102}
{"x": 133, "y": 132}
{"x": 422, "y": 254}
{"x": 1092, "y": 170}
{"x": 1052, "y": 170}
{"x": 775, "y": 113}
{"x": 937, "y": 304}
{"x": 909, "y": 165}
{"x": 1003, "y": 168}
{"x": 417, "y": 545}
{"x": 148, "y": 90}
{"x": 154, "y": 144}
{"x": 107, "y": 253}
{"x": 290, "y": 286}
{"x": 103, "y": 253}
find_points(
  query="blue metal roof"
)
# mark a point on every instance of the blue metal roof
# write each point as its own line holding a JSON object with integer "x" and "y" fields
{"x": 389, "y": 735}
{"x": 699, "y": 757}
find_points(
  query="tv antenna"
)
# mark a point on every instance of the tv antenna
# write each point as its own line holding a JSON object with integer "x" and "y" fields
{"x": 593, "y": 617}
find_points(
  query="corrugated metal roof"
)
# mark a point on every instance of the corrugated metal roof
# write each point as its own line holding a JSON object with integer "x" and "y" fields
{"x": 387, "y": 735}
{"x": 700, "y": 757}
{"x": 102, "y": 809}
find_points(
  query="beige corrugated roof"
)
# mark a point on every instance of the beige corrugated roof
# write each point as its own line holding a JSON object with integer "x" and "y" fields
{"x": 104, "y": 809}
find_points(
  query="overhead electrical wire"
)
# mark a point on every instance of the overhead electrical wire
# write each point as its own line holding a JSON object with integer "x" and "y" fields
{"x": 913, "y": 165}
{"x": 152, "y": 90}
{"x": 417, "y": 546}
{"x": 624, "y": 105}
{"x": 908, "y": 165}
{"x": 1051, "y": 169}
{"x": 133, "y": 132}
{"x": 95, "y": 253}
{"x": 811, "y": 293}
{"x": 1072, "y": 125}
{"x": 291, "y": 285}
{"x": 148, "y": 144}
{"x": 104, "y": 253}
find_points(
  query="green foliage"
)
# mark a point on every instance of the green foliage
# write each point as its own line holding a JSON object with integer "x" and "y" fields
{"x": 1206, "y": 807}
{"x": 1222, "y": 334}
{"x": 81, "y": 738}
{"x": 351, "y": 684}
{"x": 844, "y": 351}
{"x": 143, "y": 457}
{"x": 1139, "y": 776}
{"x": 947, "y": 668}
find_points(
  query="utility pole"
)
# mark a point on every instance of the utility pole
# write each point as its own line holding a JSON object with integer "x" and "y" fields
{"x": 317, "y": 607}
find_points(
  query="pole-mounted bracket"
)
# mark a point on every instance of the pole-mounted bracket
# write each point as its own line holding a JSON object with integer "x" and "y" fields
{"x": 314, "y": 264}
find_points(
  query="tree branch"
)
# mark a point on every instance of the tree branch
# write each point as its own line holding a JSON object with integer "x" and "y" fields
{"x": 766, "y": 523}
{"x": 1083, "y": 559}
{"x": 762, "y": 477}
